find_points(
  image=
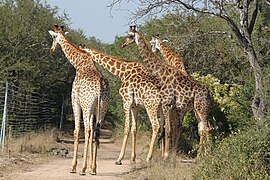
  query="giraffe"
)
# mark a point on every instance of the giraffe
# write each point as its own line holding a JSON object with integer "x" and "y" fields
{"x": 169, "y": 56}
{"x": 138, "y": 88}
{"x": 177, "y": 90}
{"x": 174, "y": 60}
{"x": 90, "y": 94}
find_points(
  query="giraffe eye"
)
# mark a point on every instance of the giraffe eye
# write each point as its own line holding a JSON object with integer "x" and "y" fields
{"x": 53, "y": 36}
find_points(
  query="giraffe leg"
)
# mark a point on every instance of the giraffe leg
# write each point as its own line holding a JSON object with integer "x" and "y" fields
{"x": 87, "y": 141}
{"x": 166, "y": 110}
{"x": 161, "y": 136}
{"x": 126, "y": 133}
{"x": 86, "y": 144}
{"x": 173, "y": 129}
{"x": 134, "y": 114}
{"x": 77, "y": 115}
{"x": 103, "y": 110}
{"x": 152, "y": 114}
{"x": 176, "y": 132}
{"x": 93, "y": 170}
{"x": 203, "y": 132}
{"x": 93, "y": 153}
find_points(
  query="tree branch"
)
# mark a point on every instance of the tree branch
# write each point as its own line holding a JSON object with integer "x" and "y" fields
{"x": 253, "y": 17}
{"x": 228, "y": 35}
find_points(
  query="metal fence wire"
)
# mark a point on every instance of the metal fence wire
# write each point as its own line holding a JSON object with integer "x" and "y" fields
{"x": 26, "y": 111}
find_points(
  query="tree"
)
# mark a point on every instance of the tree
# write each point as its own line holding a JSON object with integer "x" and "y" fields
{"x": 240, "y": 16}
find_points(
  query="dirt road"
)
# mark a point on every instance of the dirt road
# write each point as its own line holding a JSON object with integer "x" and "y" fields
{"x": 59, "y": 168}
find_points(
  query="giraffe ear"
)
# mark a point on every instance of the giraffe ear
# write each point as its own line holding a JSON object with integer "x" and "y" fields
{"x": 55, "y": 27}
{"x": 165, "y": 40}
{"x": 66, "y": 33}
{"x": 52, "y": 33}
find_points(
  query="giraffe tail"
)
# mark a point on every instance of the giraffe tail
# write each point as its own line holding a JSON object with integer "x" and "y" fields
{"x": 98, "y": 123}
{"x": 161, "y": 133}
{"x": 97, "y": 134}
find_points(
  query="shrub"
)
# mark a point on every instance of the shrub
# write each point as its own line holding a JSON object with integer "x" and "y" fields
{"x": 245, "y": 154}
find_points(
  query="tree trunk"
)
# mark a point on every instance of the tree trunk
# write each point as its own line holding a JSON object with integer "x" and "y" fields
{"x": 259, "y": 101}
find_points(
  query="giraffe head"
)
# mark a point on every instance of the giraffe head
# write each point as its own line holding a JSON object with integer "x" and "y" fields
{"x": 156, "y": 42}
{"x": 130, "y": 36}
{"x": 57, "y": 34}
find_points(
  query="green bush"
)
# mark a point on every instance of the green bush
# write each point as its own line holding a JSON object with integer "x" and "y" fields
{"x": 245, "y": 154}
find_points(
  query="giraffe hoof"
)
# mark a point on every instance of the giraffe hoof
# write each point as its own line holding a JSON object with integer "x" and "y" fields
{"x": 118, "y": 163}
{"x": 93, "y": 173}
{"x": 82, "y": 173}
{"x": 72, "y": 170}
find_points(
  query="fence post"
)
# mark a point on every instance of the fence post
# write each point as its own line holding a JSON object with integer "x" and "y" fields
{"x": 3, "y": 129}
{"x": 62, "y": 114}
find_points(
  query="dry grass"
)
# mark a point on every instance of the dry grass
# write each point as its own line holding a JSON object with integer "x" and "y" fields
{"x": 159, "y": 169}
{"x": 27, "y": 151}
{"x": 172, "y": 168}
{"x": 40, "y": 142}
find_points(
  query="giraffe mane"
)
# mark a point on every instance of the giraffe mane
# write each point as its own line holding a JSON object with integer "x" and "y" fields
{"x": 73, "y": 45}
{"x": 120, "y": 59}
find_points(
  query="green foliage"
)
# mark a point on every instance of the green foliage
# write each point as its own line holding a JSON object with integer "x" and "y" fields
{"x": 204, "y": 47}
{"x": 25, "y": 44}
{"x": 243, "y": 155}
{"x": 224, "y": 116}
{"x": 230, "y": 103}
{"x": 223, "y": 94}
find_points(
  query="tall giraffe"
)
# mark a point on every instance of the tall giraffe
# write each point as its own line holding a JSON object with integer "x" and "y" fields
{"x": 174, "y": 60}
{"x": 90, "y": 94}
{"x": 138, "y": 88}
{"x": 177, "y": 91}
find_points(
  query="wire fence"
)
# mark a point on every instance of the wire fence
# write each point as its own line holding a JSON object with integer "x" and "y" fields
{"x": 26, "y": 111}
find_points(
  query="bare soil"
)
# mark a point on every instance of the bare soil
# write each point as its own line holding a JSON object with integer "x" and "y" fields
{"x": 57, "y": 164}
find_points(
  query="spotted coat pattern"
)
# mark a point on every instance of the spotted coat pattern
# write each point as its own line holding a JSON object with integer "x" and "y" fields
{"x": 138, "y": 88}
{"x": 90, "y": 95}
{"x": 177, "y": 90}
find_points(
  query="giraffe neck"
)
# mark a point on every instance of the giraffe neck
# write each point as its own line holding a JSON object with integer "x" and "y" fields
{"x": 171, "y": 58}
{"x": 116, "y": 66}
{"x": 75, "y": 56}
{"x": 152, "y": 62}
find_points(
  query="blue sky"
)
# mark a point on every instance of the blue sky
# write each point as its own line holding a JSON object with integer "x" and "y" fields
{"x": 95, "y": 18}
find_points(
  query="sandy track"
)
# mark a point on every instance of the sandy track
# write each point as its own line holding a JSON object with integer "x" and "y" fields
{"x": 58, "y": 169}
